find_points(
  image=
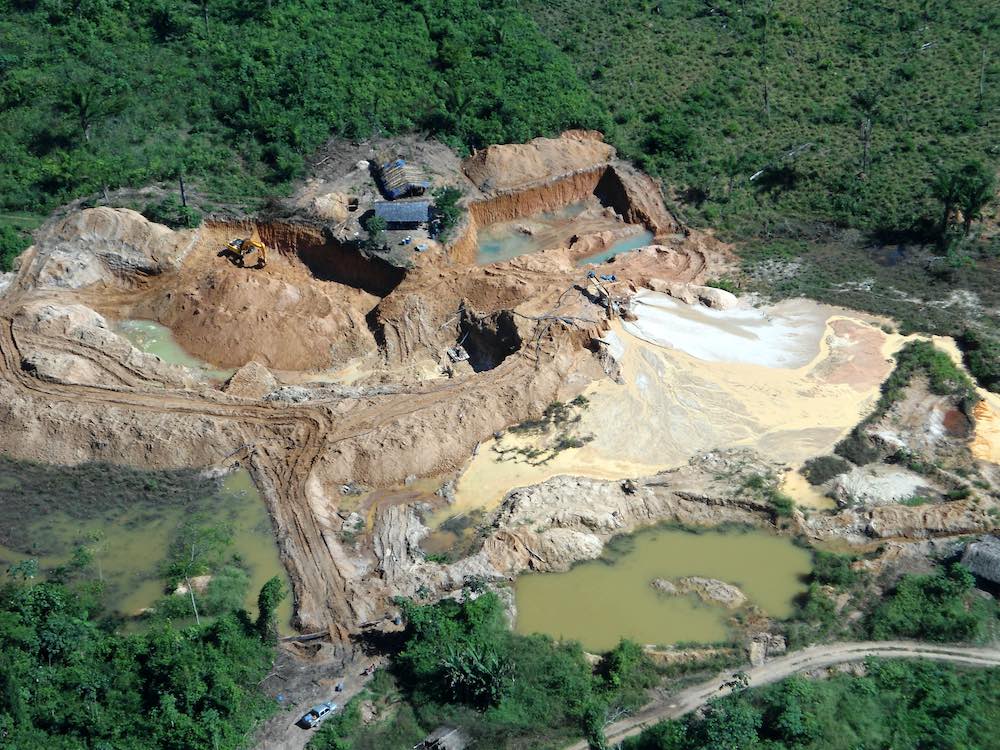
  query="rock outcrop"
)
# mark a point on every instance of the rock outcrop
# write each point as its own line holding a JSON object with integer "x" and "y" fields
{"x": 903, "y": 522}
{"x": 663, "y": 586}
{"x": 875, "y": 485}
{"x": 982, "y": 557}
{"x": 764, "y": 646}
{"x": 710, "y": 590}
{"x": 253, "y": 380}
{"x": 100, "y": 357}
{"x": 549, "y": 526}
{"x": 332, "y": 207}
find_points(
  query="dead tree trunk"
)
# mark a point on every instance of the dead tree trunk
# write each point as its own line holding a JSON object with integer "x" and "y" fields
{"x": 866, "y": 143}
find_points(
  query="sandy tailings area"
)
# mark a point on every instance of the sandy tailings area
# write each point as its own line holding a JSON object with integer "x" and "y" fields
{"x": 986, "y": 442}
{"x": 787, "y": 380}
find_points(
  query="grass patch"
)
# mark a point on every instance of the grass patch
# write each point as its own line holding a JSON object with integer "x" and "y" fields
{"x": 757, "y": 113}
{"x": 765, "y": 488}
{"x": 33, "y": 494}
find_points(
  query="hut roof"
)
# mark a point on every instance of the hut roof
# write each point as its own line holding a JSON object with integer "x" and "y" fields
{"x": 399, "y": 178}
{"x": 983, "y": 558}
{"x": 404, "y": 212}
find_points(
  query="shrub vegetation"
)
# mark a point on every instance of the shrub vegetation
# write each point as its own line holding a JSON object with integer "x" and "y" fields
{"x": 944, "y": 377}
{"x": 461, "y": 665}
{"x": 937, "y": 607}
{"x": 236, "y": 95}
{"x": 67, "y": 682}
{"x": 762, "y": 112}
{"x": 911, "y": 704}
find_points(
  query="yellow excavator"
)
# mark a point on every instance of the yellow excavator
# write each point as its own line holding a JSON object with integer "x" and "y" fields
{"x": 240, "y": 248}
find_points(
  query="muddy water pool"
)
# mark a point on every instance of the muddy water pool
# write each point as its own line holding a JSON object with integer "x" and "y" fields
{"x": 602, "y": 601}
{"x": 130, "y": 543}
{"x": 509, "y": 239}
{"x": 151, "y": 337}
{"x": 642, "y": 239}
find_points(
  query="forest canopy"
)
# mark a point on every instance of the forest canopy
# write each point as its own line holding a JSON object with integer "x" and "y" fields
{"x": 106, "y": 93}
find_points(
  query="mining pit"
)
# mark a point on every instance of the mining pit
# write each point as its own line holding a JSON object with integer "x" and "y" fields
{"x": 336, "y": 376}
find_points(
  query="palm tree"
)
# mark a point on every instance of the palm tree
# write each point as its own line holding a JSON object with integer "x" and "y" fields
{"x": 978, "y": 188}
{"x": 946, "y": 187}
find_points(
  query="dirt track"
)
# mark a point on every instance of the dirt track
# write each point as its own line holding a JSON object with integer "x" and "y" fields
{"x": 814, "y": 657}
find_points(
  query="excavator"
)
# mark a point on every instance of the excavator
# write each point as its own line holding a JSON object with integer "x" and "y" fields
{"x": 240, "y": 248}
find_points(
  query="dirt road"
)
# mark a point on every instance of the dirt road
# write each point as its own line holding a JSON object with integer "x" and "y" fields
{"x": 306, "y": 684}
{"x": 815, "y": 657}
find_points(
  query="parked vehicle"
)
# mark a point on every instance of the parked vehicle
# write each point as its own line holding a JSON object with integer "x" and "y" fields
{"x": 315, "y": 715}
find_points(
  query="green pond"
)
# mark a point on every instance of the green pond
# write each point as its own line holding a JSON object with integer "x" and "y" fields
{"x": 601, "y": 601}
{"x": 130, "y": 542}
{"x": 151, "y": 337}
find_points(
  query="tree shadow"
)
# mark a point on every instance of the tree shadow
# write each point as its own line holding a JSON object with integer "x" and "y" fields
{"x": 775, "y": 181}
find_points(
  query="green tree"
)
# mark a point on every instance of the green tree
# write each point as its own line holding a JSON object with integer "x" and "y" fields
{"x": 978, "y": 188}
{"x": 375, "y": 226}
{"x": 271, "y": 595}
{"x": 790, "y": 713}
{"x": 728, "y": 725}
{"x": 12, "y": 244}
{"x": 934, "y": 607}
{"x": 197, "y": 549}
{"x": 946, "y": 187}
{"x": 446, "y": 209}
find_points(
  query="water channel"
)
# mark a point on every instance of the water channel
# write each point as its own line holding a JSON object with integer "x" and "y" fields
{"x": 601, "y": 601}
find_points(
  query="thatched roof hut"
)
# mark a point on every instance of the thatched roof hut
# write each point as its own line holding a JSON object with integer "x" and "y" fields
{"x": 982, "y": 557}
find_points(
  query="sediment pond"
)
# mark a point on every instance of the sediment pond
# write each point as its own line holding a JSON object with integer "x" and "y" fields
{"x": 601, "y": 601}
{"x": 153, "y": 338}
{"x": 532, "y": 234}
{"x": 129, "y": 540}
{"x": 645, "y": 237}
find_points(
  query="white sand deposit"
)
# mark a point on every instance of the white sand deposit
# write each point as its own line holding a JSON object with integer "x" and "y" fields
{"x": 785, "y": 335}
{"x": 788, "y": 381}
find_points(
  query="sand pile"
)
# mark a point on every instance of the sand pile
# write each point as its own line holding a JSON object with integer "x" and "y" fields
{"x": 776, "y": 385}
{"x": 785, "y": 336}
{"x": 280, "y": 315}
{"x": 512, "y": 166}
